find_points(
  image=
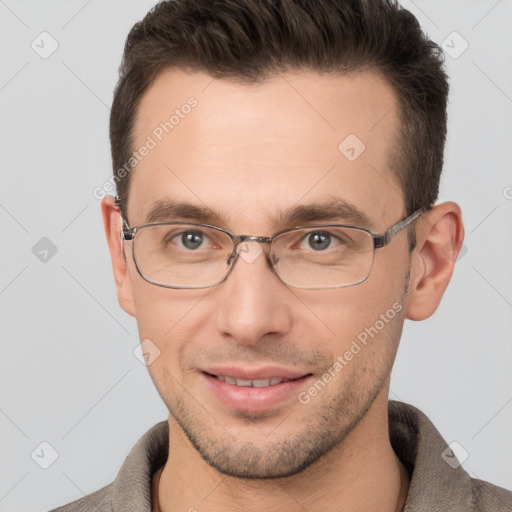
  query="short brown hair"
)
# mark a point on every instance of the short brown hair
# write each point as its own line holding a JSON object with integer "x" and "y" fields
{"x": 248, "y": 40}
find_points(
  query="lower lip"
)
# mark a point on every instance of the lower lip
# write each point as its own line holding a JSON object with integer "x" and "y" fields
{"x": 251, "y": 399}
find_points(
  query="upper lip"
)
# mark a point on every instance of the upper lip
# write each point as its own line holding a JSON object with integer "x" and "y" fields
{"x": 264, "y": 372}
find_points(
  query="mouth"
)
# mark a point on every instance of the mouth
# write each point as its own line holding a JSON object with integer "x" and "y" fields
{"x": 256, "y": 383}
{"x": 255, "y": 391}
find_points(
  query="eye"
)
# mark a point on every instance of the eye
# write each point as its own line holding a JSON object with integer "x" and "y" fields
{"x": 319, "y": 240}
{"x": 190, "y": 239}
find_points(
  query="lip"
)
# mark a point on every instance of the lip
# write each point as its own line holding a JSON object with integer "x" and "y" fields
{"x": 255, "y": 399}
{"x": 264, "y": 372}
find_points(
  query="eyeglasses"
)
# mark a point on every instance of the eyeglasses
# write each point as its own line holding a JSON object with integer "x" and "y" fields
{"x": 187, "y": 255}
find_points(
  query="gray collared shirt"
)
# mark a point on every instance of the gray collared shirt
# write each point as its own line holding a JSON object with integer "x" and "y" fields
{"x": 438, "y": 482}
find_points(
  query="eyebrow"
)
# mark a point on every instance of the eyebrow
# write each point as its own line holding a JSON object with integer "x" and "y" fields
{"x": 166, "y": 210}
{"x": 336, "y": 209}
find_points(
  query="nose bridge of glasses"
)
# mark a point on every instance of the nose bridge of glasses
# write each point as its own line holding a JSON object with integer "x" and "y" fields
{"x": 240, "y": 239}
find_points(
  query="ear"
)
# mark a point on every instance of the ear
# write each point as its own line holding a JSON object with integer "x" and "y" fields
{"x": 112, "y": 223}
{"x": 439, "y": 236}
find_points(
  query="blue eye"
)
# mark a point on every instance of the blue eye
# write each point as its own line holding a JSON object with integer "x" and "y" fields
{"x": 192, "y": 239}
{"x": 319, "y": 240}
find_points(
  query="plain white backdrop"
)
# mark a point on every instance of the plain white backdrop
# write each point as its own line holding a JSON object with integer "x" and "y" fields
{"x": 69, "y": 375}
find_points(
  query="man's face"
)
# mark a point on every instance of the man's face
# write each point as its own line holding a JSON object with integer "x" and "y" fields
{"x": 250, "y": 153}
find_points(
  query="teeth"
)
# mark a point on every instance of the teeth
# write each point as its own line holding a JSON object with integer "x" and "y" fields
{"x": 242, "y": 382}
{"x": 258, "y": 383}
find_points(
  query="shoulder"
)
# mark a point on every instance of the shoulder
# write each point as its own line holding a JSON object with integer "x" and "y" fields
{"x": 99, "y": 501}
{"x": 438, "y": 479}
{"x": 131, "y": 490}
{"x": 487, "y": 496}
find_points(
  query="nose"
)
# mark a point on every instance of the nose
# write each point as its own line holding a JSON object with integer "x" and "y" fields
{"x": 252, "y": 302}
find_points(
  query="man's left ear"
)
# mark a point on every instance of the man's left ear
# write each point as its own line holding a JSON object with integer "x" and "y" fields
{"x": 439, "y": 236}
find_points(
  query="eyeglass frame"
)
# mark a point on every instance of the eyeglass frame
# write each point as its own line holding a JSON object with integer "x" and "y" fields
{"x": 379, "y": 240}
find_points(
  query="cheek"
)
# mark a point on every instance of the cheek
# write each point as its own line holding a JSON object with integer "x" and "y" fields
{"x": 342, "y": 313}
{"x": 168, "y": 317}
{"x": 392, "y": 263}
{"x": 360, "y": 325}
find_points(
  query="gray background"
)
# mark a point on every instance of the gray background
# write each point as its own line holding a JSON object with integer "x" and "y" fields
{"x": 69, "y": 375}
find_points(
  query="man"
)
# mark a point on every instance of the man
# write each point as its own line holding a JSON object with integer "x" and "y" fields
{"x": 277, "y": 166}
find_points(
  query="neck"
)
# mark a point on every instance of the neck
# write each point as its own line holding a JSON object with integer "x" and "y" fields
{"x": 361, "y": 473}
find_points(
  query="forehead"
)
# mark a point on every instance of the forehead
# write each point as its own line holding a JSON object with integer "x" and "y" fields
{"x": 247, "y": 149}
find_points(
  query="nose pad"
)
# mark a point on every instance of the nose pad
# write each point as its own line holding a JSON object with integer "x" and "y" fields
{"x": 232, "y": 256}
